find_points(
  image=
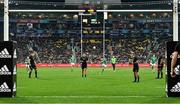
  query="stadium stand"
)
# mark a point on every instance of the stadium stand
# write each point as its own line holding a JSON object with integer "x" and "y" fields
{"x": 53, "y": 35}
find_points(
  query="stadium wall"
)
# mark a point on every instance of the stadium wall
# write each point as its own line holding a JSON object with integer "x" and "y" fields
{"x": 89, "y": 65}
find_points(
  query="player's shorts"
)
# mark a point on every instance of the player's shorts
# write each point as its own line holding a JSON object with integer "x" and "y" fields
{"x": 160, "y": 67}
{"x": 104, "y": 65}
{"x": 152, "y": 64}
{"x": 72, "y": 64}
{"x": 135, "y": 69}
{"x": 27, "y": 65}
{"x": 32, "y": 67}
{"x": 83, "y": 66}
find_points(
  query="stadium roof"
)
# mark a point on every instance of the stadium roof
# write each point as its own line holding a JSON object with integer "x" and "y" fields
{"x": 92, "y": 0}
{"x": 79, "y": 2}
{"x": 111, "y": 4}
{"x": 41, "y": 0}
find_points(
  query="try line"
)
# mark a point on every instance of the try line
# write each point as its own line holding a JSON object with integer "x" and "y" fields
{"x": 89, "y": 96}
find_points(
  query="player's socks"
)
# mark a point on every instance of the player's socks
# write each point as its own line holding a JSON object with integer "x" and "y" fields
{"x": 161, "y": 74}
{"x": 85, "y": 75}
{"x": 36, "y": 73}
{"x": 82, "y": 75}
{"x": 134, "y": 79}
{"x": 158, "y": 75}
{"x": 153, "y": 70}
{"x": 114, "y": 70}
{"x": 30, "y": 74}
{"x": 138, "y": 78}
{"x": 102, "y": 70}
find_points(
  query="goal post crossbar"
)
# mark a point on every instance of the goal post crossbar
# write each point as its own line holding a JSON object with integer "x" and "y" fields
{"x": 149, "y": 10}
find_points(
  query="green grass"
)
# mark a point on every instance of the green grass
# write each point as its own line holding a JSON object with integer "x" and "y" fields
{"x": 60, "y": 85}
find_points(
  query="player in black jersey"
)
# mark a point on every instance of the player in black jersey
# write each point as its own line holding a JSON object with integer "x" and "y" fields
{"x": 160, "y": 67}
{"x": 175, "y": 63}
{"x": 136, "y": 69}
{"x": 32, "y": 66}
{"x": 84, "y": 65}
{"x": 33, "y": 55}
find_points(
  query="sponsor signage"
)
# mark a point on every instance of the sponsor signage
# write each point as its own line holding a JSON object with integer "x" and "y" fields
{"x": 4, "y": 70}
{"x": 176, "y": 88}
{"x": 4, "y": 88}
{"x": 173, "y": 72}
{"x": 8, "y": 56}
{"x": 5, "y": 54}
{"x": 90, "y": 65}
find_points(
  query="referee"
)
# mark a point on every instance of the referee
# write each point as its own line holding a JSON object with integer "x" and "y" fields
{"x": 160, "y": 67}
{"x": 113, "y": 61}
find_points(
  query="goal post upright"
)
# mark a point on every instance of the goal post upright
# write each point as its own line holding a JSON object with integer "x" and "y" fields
{"x": 104, "y": 33}
{"x": 6, "y": 20}
{"x": 175, "y": 20}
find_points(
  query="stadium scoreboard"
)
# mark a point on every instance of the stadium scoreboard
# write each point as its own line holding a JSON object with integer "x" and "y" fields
{"x": 92, "y": 25}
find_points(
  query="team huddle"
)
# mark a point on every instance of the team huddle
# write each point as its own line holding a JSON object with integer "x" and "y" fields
{"x": 154, "y": 62}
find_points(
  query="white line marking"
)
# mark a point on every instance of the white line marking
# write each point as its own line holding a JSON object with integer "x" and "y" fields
{"x": 89, "y": 103}
{"x": 90, "y": 96}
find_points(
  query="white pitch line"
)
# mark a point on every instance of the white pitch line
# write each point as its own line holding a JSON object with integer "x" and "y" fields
{"x": 89, "y": 96}
{"x": 89, "y": 103}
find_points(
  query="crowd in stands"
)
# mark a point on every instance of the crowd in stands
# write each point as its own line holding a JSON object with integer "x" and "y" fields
{"x": 53, "y": 50}
{"x": 127, "y": 35}
{"x": 49, "y": 50}
{"x": 69, "y": 24}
